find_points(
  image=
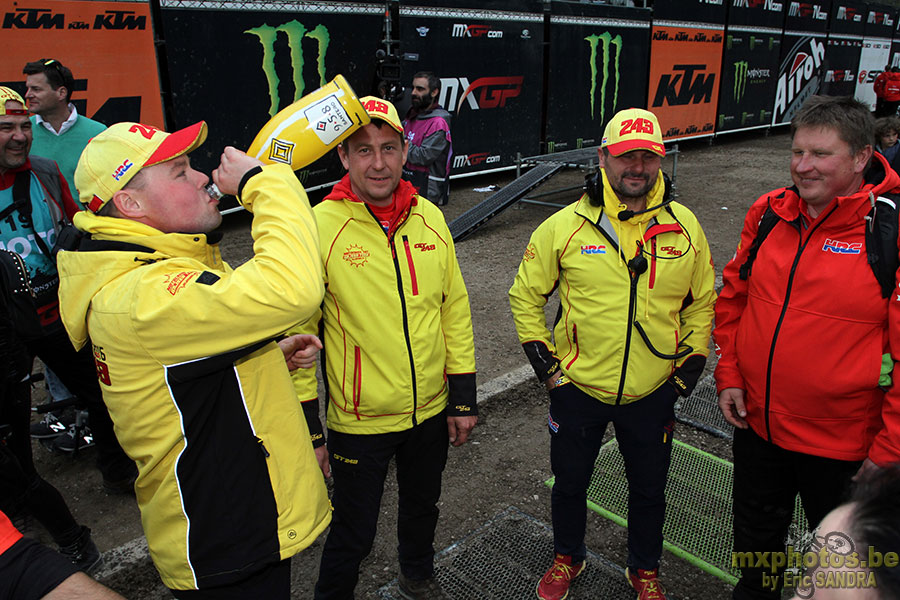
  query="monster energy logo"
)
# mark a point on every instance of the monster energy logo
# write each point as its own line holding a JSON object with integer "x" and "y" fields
{"x": 741, "y": 68}
{"x": 295, "y": 33}
{"x": 606, "y": 40}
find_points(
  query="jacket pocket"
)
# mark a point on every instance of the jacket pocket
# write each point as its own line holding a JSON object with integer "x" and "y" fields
{"x": 412, "y": 267}
{"x": 357, "y": 379}
{"x": 577, "y": 348}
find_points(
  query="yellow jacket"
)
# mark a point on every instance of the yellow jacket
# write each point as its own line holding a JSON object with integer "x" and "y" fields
{"x": 597, "y": 345}
{"x": 198, "y": 392}
{"x": 396, "y": 320}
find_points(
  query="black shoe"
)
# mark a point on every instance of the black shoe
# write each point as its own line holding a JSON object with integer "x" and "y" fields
{"x": 67, "y": 442}
{"x": 53, "y": 424}
{"x": 83, "y": 552}
{"x": 420, "y": 589}
{"x": 121, "y": 487}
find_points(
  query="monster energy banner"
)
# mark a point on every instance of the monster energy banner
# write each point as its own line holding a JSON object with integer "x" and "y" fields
{"x": 749, "y": 77}
{"x": 799, "y": 76}
{"x": 842, "y": 56}
{"x": 490, "y": 67}
{"x": 597, "y": 66}
{"x": 236, "y": 68}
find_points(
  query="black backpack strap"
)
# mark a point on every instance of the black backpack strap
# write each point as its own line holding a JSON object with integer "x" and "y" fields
{"x": 766, "y": 224}
{"x": 21, "y": 190}
{"x": 881, "y": 241}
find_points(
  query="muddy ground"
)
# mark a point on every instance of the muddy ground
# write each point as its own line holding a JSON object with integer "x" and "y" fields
{"x": 507, "y": 460}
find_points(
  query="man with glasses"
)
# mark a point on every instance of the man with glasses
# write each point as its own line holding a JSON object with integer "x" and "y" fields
{"x": 635, "y": 282}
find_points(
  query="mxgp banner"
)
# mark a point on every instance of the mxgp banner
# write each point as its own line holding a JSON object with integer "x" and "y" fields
{"x": 799, "y": 76}
{"x": 490, "y": 67}
{"x": 597, "y": 67}
{"x": 236, "y": 65}
{"x": 842, "y": 56}
{"x": 107, "y": 45}
{"x": 685, "y": 61}
{"x": 876, "y": 53}
{"x": 702, "y": 11}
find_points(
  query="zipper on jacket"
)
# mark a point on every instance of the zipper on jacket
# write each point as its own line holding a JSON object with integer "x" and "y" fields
{"x": 262, "y": 446}
{"x": 412, "y": 267}
{"x": 652, "y": 274}
{"x": 577, "y": 349}
{"x": 357, "y": 380}
{"x": 787, "y": 298}
{"x": 412, "y": 364}
{"x": 632, "y": 303}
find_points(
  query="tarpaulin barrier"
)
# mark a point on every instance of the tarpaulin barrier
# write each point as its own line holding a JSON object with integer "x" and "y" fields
{"x": 236, "y": 64}
{"x": 842, "y": 53}
{"x": 107, "y": 45}
{"x": 599, "y": 63}
{"x": 802, "y": 57}
{"x": 750, "y": 65}
{"x": 876, "y": 51}
{"x": 700, "y": 11}
{"x": 490, "y": 64}
{"x": 685, "y": 64}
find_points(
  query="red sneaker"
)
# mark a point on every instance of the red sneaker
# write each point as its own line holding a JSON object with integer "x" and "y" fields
{"x": 554, "y": 585}
{"x": 647, "y": 584}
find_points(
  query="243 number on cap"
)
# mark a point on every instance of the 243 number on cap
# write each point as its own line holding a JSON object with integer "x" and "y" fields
{"x": 636, "y": 126}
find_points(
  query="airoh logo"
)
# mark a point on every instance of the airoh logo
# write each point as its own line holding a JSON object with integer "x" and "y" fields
{"x": 462, "y": 30}
{"x": 803, "y": 69}
{"x": 473, "y": 160}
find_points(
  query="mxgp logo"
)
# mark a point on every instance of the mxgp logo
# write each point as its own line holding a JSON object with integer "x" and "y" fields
{"x": 848, "y": 13}
{"x": 695, "y": 87}
{"x": 484, "y": 92}
{"x": 807, "y": 10}
{"x": 604, "y": 42}
{"x": 295, "y": 32}
{"x": 462, "y": 30}
{"x": 880, "y": 18}
{"x": 473, "y": 160}
{"x": 765, "y": 4}
{"x": 832, "y": 76}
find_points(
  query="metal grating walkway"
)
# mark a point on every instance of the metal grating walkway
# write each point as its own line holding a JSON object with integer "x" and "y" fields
{"x": 472, "y": 219}
{"x": 698, "y": 524}
{"x": 503, "y": 560}
{"x": 579, "y": 157}
{"x": 701, "y": 410}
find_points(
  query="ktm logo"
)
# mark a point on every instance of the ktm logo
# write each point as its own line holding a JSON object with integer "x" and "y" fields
{"x": 120, "y": 19}
{"x": 689, "y": 86}
{"x": 425, "y": 247}
{"x": 33, "y": 18}
{"x": 483, "y": 93}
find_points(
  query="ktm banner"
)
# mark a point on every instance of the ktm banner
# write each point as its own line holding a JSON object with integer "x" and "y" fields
{"x": 107, "y": 45}
{"x": 685, "y": 65}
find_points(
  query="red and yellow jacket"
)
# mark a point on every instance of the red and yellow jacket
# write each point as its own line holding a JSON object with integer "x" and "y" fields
{"x": 596, "y": 343}
{"x": 396, "y": 320}
{"x": 804, "y": 336}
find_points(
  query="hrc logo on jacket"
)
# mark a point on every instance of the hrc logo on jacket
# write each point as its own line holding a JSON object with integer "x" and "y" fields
{"x": 837, "y": 247}
{"x": 593, "y": 249}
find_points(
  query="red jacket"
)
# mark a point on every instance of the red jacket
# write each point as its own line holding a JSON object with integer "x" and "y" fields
{"x": 892, "y": 87}
{"x": 878, "y": 86}
{"x": 805, "y": 335}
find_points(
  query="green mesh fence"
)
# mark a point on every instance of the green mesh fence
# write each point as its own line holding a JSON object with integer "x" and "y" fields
{"x": 698, "y": 524}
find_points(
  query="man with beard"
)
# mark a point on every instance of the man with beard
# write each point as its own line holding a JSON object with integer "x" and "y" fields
{"x": 635, "y": 282}
{"x": 427, "y": 128}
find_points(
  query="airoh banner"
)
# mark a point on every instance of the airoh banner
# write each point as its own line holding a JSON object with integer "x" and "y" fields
{"x": 107, "y": 45}
{"x": 685, "y": 66}
{"x": 598, "y": 66}
{"x": 799, "y": 76}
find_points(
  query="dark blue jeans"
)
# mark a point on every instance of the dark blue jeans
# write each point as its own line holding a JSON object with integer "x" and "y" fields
{"x": 644, "y": 433}
{"x": 359, "y": 465}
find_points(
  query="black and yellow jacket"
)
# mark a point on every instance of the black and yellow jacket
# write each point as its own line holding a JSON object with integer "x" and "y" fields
{"x": 396, "y": 319}
{"x": 614, "y": 320}
{"x": 196, "y": 387}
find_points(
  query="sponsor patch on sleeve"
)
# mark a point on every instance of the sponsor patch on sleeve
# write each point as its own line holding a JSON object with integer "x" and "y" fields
{"x": 207, "y": 278}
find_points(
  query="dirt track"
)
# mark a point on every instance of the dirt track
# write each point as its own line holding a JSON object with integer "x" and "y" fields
{"x": 508, "y": 459}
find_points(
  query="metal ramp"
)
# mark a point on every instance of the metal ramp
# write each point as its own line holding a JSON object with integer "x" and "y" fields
{"x": 462, "y": 226}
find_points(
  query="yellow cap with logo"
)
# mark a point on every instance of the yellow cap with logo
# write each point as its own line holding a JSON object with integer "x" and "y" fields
{"x": 633, "y": 129}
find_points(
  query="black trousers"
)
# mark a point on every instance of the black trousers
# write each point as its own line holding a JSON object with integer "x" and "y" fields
{"x": 79, "y": 373}
{"x": 767, "y": 480}
{"x": 21, "y": 487}
{"x": 359, "y": 465}
{"x": 644, "y": 429}
{"x": 271, "y": 583}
